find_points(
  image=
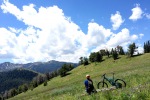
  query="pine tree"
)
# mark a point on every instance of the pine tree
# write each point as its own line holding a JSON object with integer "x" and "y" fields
{"x": 81, "y": 61}
{"x": 92, "y": 57}
{"x": 107, "y": 52}
{"x": 131, "y": 49}
{"x": 115, "y": 54}
{"x": 121, "y": 51}
{"x": 112, "y": 50}
{"x": 147, "y": 47}
{"x": 98, "y": 57}
{"x": 85, "y": 62}
{"x": 63, "y": 70}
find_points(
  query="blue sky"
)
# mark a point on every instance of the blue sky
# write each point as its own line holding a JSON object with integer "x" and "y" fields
{"x": 64, "y": 30}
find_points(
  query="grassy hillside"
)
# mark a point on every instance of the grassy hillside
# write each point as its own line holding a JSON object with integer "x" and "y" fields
{"x": 135, "y": 71}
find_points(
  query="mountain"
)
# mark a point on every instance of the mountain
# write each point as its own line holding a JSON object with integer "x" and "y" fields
{"x": 41, "y": 67}
{"x": 44, "y": 67}
{"x": 14, "y": 78}
{"x": 6, "y": 66}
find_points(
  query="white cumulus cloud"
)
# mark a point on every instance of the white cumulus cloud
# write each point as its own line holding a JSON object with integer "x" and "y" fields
{"x": 136, "y": 13}
{"x": 50, "y": 35}
{"x": 117, "y": 20}
{"x": 123, "y": 38}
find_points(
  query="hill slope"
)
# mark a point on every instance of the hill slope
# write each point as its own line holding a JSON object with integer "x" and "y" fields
{"x": 135, "y": 71}
{"x": 14, "y": 78}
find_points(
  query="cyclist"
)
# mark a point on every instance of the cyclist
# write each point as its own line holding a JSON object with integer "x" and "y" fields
{"x": 89, "y": 85}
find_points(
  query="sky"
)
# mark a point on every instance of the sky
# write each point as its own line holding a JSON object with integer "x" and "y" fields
{"x": 65, "y": 30}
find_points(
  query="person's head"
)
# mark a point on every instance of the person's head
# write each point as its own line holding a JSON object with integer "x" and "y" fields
{"x": 87, "y": 76}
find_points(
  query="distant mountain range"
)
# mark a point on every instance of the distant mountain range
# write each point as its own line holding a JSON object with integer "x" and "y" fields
{"x": 41, "y": 67}
{"x": 6, "y": 66}
{"x": 12, "y": 75}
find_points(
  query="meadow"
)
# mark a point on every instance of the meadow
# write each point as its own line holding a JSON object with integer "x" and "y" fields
{"x": 134, "y": 71}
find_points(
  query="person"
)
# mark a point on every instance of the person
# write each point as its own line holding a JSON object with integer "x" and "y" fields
{"x": 89, "y": 85}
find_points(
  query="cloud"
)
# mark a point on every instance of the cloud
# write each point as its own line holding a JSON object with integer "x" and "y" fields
{"x": 147, "y": 15}
{"x": 136, "y": 13}
{"x": 117, "y": 20}
{"x": 96, "y": 35}
{"x": 140, "y": 49}
{"x": 50, "y": 35}
{"x": 141, "y": 35}
{"x": 122, "y": 38}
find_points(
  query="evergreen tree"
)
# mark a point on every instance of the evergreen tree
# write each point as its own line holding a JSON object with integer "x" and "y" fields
{"x": 20, "y": 89}
{"x": 92, "y": 57}
{"x": 47, "y": 76}
{"x": 81, "y": 61}
{"x": 63, "y": 70}
{"x": 107, "y": 52}
{"x": 115, "y": 54}
{"x": 39, "y": 79}
{"x": 98, "y": 57}
{"x": 13, "y": 92}
{"x": 147, "y": 47}
{"x": 112, "y": 50}
{"x": 85, "y": 62}
{"x": 131, "y": 49}
{"x": 121, "y": 51}
{"x": 34, "y": 83}
{"x": 95, "y": 57}
{"x": 45, "y": 83}
{"x": 102, "y": 52}
{"x": 145, "y": 51}
{"x": 24, "y": 87}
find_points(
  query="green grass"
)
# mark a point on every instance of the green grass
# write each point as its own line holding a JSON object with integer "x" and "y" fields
{"x": 135, "y": 71}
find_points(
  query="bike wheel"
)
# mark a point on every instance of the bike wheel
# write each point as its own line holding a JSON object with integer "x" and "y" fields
{"x": 102, "y": 85}
{"x": 120, "y": 83}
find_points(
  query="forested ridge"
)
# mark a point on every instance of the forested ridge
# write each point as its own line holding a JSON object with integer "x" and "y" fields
{"x": 14, "y": 78}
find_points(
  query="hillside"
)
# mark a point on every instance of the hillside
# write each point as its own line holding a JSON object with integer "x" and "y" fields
{"x": 14, "y": 78}
{"x": 135, "y": 71}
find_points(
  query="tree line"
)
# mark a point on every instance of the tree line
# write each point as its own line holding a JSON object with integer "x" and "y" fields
{"x": 114, "y": 53}
{"x": 147, "y": 47}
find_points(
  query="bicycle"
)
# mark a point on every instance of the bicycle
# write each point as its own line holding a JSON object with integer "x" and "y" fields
{"x": 118, "y": 83}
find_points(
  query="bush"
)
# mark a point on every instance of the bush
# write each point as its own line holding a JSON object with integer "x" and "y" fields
{"x": 45, "y": 83}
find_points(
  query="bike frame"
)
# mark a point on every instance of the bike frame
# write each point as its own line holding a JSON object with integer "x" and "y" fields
{"x": 111, "y": 81}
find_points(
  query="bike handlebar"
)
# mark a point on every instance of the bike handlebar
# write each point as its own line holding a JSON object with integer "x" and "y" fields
{"x": 104, "y": 75}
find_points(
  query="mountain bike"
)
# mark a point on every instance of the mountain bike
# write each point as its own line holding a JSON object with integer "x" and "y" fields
{"x": 118, "y": 83}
